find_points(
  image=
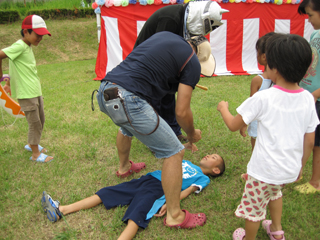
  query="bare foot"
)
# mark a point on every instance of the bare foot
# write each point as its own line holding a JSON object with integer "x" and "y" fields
{"x": 35, "y": 158}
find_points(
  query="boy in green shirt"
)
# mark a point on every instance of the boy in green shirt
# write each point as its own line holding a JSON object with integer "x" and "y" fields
{"x": 25, "y": 83}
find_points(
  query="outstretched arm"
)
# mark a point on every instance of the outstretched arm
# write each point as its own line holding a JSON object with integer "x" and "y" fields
{"x": 184, "y": 114}
{"x": 6, "y": 87}
{"x": 233, "y": 123}
{"x": 185, "y": 193}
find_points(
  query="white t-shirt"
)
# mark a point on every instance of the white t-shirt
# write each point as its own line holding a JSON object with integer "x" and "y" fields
{"x": 284, "y": 116}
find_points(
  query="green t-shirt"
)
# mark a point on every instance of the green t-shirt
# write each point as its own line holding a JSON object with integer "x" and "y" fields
{"x": 24, "y": 80}
{"x": 311, "y": 81}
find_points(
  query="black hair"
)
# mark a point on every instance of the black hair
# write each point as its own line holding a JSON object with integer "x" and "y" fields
{"x": 261, "y": 43}
{"x": 29, "y": 31}
{"x": 221, "y": 167}
{"x": 192, "y": 42}
{"x": 313, "y": 4}
{"x": 290, "y": 54}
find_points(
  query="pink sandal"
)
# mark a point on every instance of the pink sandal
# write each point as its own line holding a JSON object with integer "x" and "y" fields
{"x": 239, "y": 234}
{"x": 266, "y": 225}
{"x": 135, "y": 167}
{"x": 190, "y": 221}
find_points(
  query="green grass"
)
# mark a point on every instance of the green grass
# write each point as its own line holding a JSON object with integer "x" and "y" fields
{"x": 83, "y": 144}
{"x": 40, "y": 4}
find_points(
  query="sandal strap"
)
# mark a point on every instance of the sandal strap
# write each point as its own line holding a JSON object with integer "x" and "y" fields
{"x": 277, "y": 233}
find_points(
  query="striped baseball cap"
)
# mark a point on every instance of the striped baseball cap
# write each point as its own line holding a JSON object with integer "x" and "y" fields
{"x": 36, "y": 23}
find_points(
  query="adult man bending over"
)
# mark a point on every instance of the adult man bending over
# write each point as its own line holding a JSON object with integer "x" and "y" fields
{"x": 164, "y": 63}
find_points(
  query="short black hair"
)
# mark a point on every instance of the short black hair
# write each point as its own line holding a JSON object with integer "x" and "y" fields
{"x": 29, "y": 31}
{"x": 221, "y": 167}
{"x": 313, "y": 4}
{"x": 290, "y": 54}
{"x": 261, "y": 43}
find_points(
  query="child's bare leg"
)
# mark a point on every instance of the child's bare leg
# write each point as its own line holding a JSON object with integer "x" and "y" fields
{"x": 36, "y": 153}
{"x": 251, "y": 229}
{"x": 82, "y": 204}
{"x": 253, "y": 142}
{"x": 315, "y": 178}
{"x": 130, "y": 231}
{"x": 275, "y": 208}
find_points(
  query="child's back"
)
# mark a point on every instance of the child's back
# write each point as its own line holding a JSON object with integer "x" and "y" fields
{"x": 286, "y": 123}
{"x": 284, "y": 117}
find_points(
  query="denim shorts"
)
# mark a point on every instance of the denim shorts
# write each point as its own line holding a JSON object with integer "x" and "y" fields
{"x": 163, "y": 142}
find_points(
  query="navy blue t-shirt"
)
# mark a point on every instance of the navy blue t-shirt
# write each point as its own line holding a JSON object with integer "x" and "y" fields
{"x": 157, "y": 66}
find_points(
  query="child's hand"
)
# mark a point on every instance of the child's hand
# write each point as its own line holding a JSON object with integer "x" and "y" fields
{"x": 162, "y": 211}
{"x": 7, "y": 89}
{"x": 243, "y": 131}
{"x": 189, "y": 146}
{"x": 244, "y": 176}
{"x": 222, "y": 105}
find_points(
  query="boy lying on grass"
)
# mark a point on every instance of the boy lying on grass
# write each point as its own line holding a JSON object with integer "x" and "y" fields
{"x": 144, "y": 196}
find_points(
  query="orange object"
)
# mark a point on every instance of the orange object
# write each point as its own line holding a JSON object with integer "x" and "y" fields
{"x": 9, "y": 105}
{"x": 202, "y": 87}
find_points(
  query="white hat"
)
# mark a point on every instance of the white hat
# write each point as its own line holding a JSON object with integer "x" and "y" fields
{"x": 206, "y": 59}
{"x": 204, "y": 17}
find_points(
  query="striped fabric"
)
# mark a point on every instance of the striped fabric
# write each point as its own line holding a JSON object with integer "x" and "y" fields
{"x": 233, "y": 43}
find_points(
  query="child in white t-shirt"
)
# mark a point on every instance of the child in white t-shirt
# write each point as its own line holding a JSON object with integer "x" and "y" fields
{"x": 286, "y": 123}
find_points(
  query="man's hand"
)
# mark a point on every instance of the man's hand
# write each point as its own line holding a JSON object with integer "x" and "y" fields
{"x": 222, "y": 105}
{"x": 195, "y": 137}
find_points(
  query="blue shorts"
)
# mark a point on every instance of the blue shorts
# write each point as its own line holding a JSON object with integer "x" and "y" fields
{"x": 139, "y": 194}
{"x": 253, "y": 129}
{"x": 163, "y": 142}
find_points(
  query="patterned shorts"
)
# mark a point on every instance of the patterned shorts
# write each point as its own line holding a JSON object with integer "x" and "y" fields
{"x": 255, "y": 199}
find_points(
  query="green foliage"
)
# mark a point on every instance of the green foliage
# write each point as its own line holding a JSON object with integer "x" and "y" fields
{"x": 9, "y": 16}
{"x": 55, "y": 9}
{"x": 62, "y": 13}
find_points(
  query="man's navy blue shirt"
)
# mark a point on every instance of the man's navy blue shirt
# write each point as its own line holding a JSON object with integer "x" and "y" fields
{"x": 157, "y": 66}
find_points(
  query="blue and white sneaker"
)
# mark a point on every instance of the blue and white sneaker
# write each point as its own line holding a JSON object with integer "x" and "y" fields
{"x": 51, "y": 207}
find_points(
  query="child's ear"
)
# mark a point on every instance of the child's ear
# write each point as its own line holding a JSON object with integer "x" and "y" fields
{"x": 216, "y": 170}
{"x": 25, "y": 31}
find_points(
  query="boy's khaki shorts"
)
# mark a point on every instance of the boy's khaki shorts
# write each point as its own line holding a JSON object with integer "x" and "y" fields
{"x": 33, "y": 109}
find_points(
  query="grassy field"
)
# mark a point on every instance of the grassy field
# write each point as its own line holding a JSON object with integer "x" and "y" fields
{"x": 82, "y": 142}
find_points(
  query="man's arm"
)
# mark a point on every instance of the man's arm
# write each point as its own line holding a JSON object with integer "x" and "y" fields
{"x": 184, "y": 114}
{"x": 233, "y": 123}
{"x": 185, "y": 193}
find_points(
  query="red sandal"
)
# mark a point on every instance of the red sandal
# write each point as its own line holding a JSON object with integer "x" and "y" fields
{"x": 135, "y": 167}
{"x": 191, "y": 220}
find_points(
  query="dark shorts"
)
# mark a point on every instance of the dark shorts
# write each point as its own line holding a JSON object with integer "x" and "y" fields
{"x": 317, "y": 138}
{"x": 139, "y": 194}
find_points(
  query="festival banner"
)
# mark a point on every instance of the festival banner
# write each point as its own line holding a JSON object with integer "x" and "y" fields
{"x": 233, "y": 43}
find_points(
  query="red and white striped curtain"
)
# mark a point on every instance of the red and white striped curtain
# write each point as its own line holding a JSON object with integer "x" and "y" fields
{"x": 233, "y": 43}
